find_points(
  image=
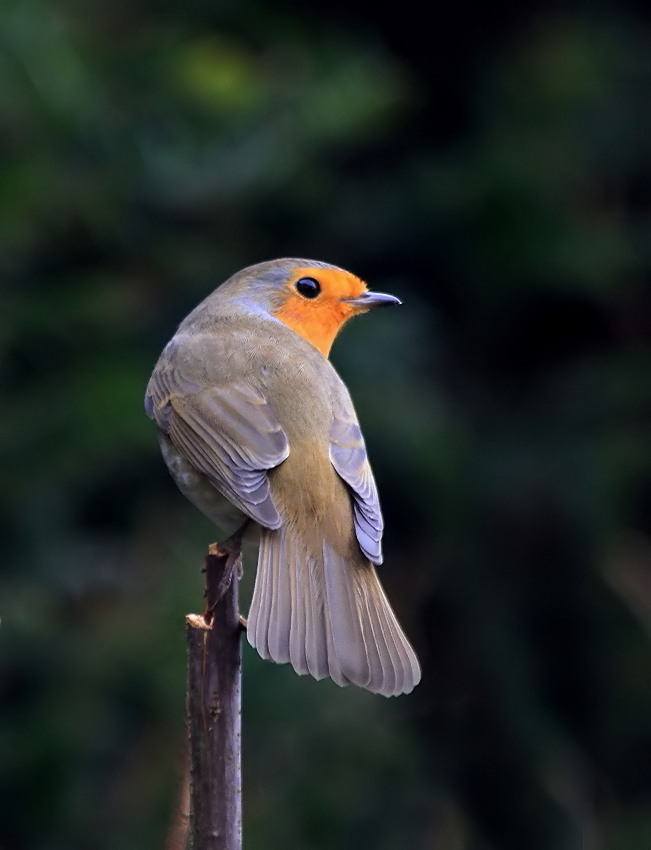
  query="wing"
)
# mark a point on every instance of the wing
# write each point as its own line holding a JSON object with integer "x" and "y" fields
{"x": 230, "y": 434}
{"x": 348, "y": 456}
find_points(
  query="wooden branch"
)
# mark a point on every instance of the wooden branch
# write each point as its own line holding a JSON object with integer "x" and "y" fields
{"x": 213, "y": 708}
{"x": 177, "y": 837}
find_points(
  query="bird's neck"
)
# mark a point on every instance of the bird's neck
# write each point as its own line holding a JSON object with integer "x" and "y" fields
{"x": 318, "y": 327}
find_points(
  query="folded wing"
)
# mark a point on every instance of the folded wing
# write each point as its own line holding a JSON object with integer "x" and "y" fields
{"x": 348, "y": 456}
{"x": 230, "y": 434}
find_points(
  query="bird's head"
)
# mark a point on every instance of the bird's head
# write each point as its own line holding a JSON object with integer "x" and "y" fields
{"x": 312, "y": 298}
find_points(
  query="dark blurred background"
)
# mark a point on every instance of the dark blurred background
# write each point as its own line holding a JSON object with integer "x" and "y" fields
{"x": 491, "y": 165}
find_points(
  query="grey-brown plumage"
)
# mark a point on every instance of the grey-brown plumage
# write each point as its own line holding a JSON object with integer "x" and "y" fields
{"x": 254, "y": 422}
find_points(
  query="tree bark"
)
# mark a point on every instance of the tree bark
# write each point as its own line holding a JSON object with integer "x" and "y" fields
{"x": 214, "y": 709}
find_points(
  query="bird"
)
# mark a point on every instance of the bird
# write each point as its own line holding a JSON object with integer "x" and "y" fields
{"x": 259, "y": 431}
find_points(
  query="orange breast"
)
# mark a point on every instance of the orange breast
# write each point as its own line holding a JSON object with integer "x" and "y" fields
{"x": 320, "y": 319}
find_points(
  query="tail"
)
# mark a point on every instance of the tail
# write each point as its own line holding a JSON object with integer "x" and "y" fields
{"x": 327, "y": 617}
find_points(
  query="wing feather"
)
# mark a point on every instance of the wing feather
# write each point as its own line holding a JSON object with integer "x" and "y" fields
{"x": 349, "y": 458}
{"x": 230, "y": 434}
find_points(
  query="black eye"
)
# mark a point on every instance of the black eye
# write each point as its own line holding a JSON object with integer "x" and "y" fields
{"x": 308, "y": 287}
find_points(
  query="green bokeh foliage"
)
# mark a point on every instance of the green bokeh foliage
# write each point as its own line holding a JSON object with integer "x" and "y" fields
{"x": 496, "y": 175}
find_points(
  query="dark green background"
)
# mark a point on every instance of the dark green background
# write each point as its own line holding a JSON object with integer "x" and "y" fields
{"x": 491, "y": 165}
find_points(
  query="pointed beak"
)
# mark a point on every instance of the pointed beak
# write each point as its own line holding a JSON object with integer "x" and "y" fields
{"x": 372, "y": 299}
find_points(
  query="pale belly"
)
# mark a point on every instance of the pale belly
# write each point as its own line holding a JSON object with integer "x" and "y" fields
{"x": 198, "y": 490}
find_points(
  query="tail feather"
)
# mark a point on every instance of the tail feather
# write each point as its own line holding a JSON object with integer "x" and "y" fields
{"x": 343, "y": 617}
{"x": 298, "y": 624}
{"x": 305, "y": 635}
{"x": 258, "y": 626}
{"x": 388, "y": 672}
{"x": 279, "y": 588}
{"x": 405, "y": 668}
{"x": 327, "y": 617}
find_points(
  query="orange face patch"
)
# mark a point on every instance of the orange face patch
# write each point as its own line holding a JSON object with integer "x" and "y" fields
{"x": 319, "y": 319}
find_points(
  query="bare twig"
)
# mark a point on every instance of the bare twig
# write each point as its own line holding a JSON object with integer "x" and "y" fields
{"x": 177, "y": 838}
{"x": 213, "y": 707}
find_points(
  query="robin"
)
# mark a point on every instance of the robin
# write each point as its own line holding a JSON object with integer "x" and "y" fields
{"x": 258, "y": 429}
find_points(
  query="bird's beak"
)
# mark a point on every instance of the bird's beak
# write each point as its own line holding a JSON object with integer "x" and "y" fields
{"x": 372, "y": 299}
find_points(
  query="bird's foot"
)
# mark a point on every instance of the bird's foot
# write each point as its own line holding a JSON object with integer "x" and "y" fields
{"x": 223, "y": 561}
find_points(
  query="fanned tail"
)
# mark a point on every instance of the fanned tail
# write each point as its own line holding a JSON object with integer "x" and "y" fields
{"x": 327, "y": 617}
